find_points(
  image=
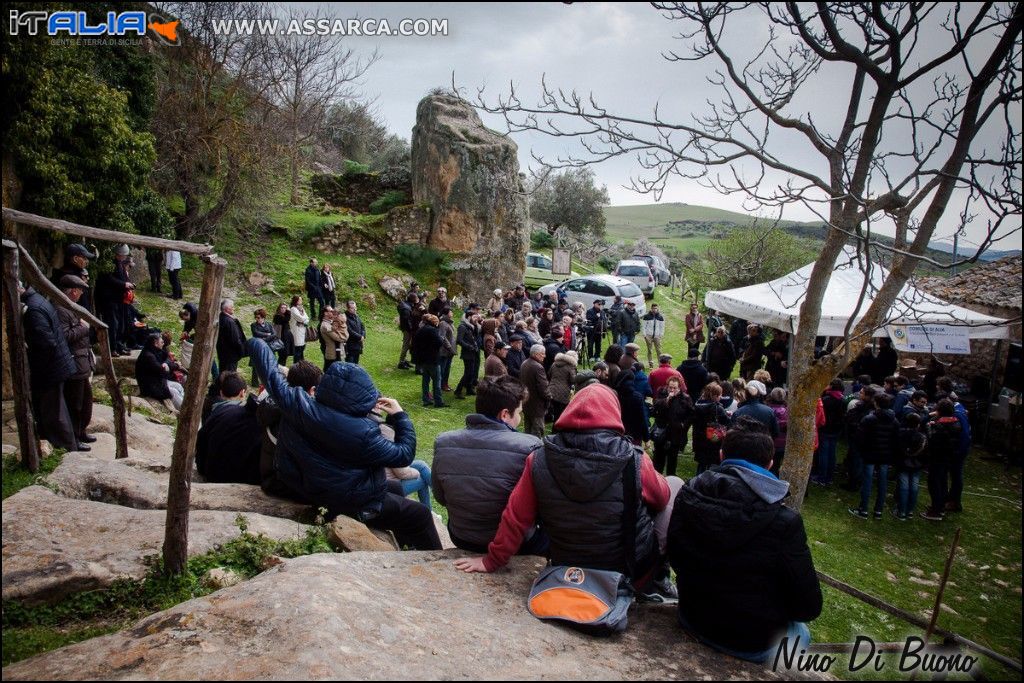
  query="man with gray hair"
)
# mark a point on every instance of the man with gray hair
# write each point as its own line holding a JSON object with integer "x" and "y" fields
{"x": 230, "y": 339}
{"x": 535, "y": 379}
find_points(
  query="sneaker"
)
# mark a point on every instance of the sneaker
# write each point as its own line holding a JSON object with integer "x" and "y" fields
{"x": 932, "y": 516}
{"x": 661, "y": 591}
{"x": 857, "y": 512}
{"x": 878, "y": 514}
{"x": 901, "y": 517}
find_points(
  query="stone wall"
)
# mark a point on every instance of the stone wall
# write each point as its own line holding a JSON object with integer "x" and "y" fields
{"x": 359, "y": 191}
{"x": 983, "y": 351}
{"x": 401, "y": 225}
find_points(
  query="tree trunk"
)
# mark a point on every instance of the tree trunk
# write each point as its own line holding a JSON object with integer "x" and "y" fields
{"x": 293, "y": 154}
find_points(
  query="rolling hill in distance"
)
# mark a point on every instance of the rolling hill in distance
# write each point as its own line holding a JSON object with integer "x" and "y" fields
{"x": 688, "y": 227}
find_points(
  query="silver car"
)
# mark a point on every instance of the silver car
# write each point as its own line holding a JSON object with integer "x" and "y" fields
{"x": 639, "y": 273}
{"x": 590, "y": 288}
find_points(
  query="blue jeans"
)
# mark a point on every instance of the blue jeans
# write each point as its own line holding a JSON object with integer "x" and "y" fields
{"x": 446, "y": 370}
{"x": 625, "y": 339}
{"x": 432, "y": 374}
{"x": 865, "y": 486}
{"x": 827, "y": 457}
{"x": 421, "y": 485}
{"x": 796, "y": 629}
{"x": 909, "y": 483}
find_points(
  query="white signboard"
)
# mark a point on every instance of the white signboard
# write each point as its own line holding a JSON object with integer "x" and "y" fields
{"x": 953, "y": 339}
{"x": 561, "y": 262}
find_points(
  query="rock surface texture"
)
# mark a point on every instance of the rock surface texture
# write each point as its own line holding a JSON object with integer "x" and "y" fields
{"x": 386, "y": 616}
{"x": 469, "y": 176}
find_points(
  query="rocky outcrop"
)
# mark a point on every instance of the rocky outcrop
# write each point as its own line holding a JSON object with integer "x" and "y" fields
{"x": 401, "y": 225}
{"x": 357, "y": 191}
{"x": 469, "y": 176}
{"x": 55, "y": 546}
{"x": 385, "y": 616}
{"x": 84, "y": 477}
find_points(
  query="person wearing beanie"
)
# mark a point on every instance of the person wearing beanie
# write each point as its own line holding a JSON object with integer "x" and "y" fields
{"x": 581, "y": 485}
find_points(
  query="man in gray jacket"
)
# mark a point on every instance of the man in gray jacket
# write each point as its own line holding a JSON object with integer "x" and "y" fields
{"x": 535, "y": 378}
{"x": 475, "y": 468}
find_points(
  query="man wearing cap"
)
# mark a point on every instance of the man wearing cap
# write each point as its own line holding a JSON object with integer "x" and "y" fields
{"x": 494, "y": 366}
{"x": 515, "y": 356}
{"x": 111, "y": 289}
{"x": 654, "y": 329}
{"x": 76, "y": 262}
{"x": 534, "y": 377}
{"x": 755, "y": 408}
{"x": 663, "y": 374}
{"x": 629, "y": 323}
{"x": 597, "y": 322}
{"x": 172, "y": 263}
{"x": 77, "y": 388}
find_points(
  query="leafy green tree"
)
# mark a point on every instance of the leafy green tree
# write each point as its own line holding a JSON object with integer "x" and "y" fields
{"x": 570, "y": 200}
{"x": 747, "y": 256}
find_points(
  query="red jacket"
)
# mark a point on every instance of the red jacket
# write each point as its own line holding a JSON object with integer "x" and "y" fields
{"x": 595, "y": 407}
{"x": 658, "y": 378}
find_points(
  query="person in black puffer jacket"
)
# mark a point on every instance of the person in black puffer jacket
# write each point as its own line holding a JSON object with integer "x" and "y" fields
{"x": 331, "y": 451}
{"x": 943, "y": 443}
{"x": 426, "y": 350}
{"x": 743, "y": 567}
{"x": 228, "y": 443}
{"x": 879, "y": 435}
{"x": 632, "y": 407}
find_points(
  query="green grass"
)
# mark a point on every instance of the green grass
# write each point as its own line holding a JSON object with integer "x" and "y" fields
{"x": 650, "y": 220}
{"x": 16, "y": 477}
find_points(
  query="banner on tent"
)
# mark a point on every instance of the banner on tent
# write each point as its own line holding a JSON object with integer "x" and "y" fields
{"x": 953, "y": 339}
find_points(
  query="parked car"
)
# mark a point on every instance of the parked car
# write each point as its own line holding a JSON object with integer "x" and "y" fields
{"x": 590, "y": 288}
{"x": 662, "y": 275}
{"x": 538, "y": 271}
{"x": 637, "y": 272}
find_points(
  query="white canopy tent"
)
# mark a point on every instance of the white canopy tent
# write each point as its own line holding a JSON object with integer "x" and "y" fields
{"x": 777, "y": 303}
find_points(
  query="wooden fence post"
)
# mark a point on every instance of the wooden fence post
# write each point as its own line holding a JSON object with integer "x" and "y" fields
{"x": 28, "y": 440}
{"x": 175, "y": 551}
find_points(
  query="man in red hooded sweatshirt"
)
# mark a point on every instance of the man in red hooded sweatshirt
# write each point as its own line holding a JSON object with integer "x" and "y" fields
{"x": 592, "y": 490}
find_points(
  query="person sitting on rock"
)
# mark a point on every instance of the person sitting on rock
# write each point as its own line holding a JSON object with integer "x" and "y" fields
{"x": 476, "y": 468}
{"x": 332, "y": 453}
{"x": 581, "y": 485}
{"x": 743, "y": 568}
{"x": 228, "y": 443}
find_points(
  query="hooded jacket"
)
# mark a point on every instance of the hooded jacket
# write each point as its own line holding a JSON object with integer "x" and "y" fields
{"x": 590, "y": 489}
{"x": 330, "y": 450}
{"x": 835, "y": 410}
{"x": 563, "y": 376}
{"x": 695, "y": 377}
{"x": 634, "y": 418}
{"x": 743, "y": 568}
{"x": 49, "y": 359}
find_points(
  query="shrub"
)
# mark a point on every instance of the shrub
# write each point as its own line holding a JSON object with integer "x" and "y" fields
{"x": 388, "y": 201}
{"x": 608, "y": 263}
{"x": 417, "y": 258}
{"x": 541, "y": 239}
{"x": 355, "y": 168}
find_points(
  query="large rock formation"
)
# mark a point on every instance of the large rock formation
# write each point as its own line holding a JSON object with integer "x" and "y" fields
{"x": 383, "y": 616}
{"x": 469, "y": 176}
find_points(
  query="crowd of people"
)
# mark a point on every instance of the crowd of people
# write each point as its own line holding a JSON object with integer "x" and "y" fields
{"x": 598, "y": 488}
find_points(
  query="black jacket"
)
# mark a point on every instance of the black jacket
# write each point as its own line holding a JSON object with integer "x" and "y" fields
{"x": 879, "y": 438}
{"x": 467, "y": 338}
{"x": 312, "y": 278}
{"x": 552, "y": 347}
{"x": 426, "y": 345}
{"x": 228, "y": 444}
{"x": 405, "y": 317}
{"x": 356, "y": 333}
{"x": 675, "y": 415}
{"x": 742, "y": 564}
{"x": 230, "y": 340}
{"x": 695, "y": 375}
{"x": 151, "y": 376}
{"x": 49, "y": 358}
{"x": 514, "y": 360}
{"x": 720, "y": 356}
{"x": 111, "y": 286}
{"x": 944, "y": 439}
{"x": 598, "y": 321}
{"x": 632, "y": 403}
{"x": 704, "y": 414}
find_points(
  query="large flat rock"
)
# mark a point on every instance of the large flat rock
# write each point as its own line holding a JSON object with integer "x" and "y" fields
{"x": 85, "y": 477}
{"x": 55, "y": 546}
{"x": 385, "y": 616}
{"x": 143, "y": 433}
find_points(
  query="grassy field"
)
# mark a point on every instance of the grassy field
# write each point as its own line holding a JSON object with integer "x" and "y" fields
{"x": 650, "y": 220}
{"x": 895, "y": 561}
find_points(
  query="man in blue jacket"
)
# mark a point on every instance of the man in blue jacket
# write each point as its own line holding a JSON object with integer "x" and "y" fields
{"x": 331, "y": 452}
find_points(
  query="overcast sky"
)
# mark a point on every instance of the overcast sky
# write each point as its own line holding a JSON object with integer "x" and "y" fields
{"x": 612, "y": 50}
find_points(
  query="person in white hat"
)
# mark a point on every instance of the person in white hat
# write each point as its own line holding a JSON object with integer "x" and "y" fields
{"x": 497, "y": 302}
{"x": 756, "y": 409}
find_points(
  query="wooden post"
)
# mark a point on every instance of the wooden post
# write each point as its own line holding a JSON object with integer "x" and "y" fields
{"x": 28, "y": 440}
{"x": 35, "y": 276}
{"x": 942, "y": 586}
{"x": 179, "y": 490}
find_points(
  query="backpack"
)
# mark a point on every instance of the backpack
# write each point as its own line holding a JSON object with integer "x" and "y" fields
{"x": 593, "y": 601}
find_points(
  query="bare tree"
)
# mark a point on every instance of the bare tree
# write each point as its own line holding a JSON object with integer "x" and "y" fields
{"x": 308, "y": 74}
{"x": 932, "y": 115}
{"x": 214, "y": 128}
